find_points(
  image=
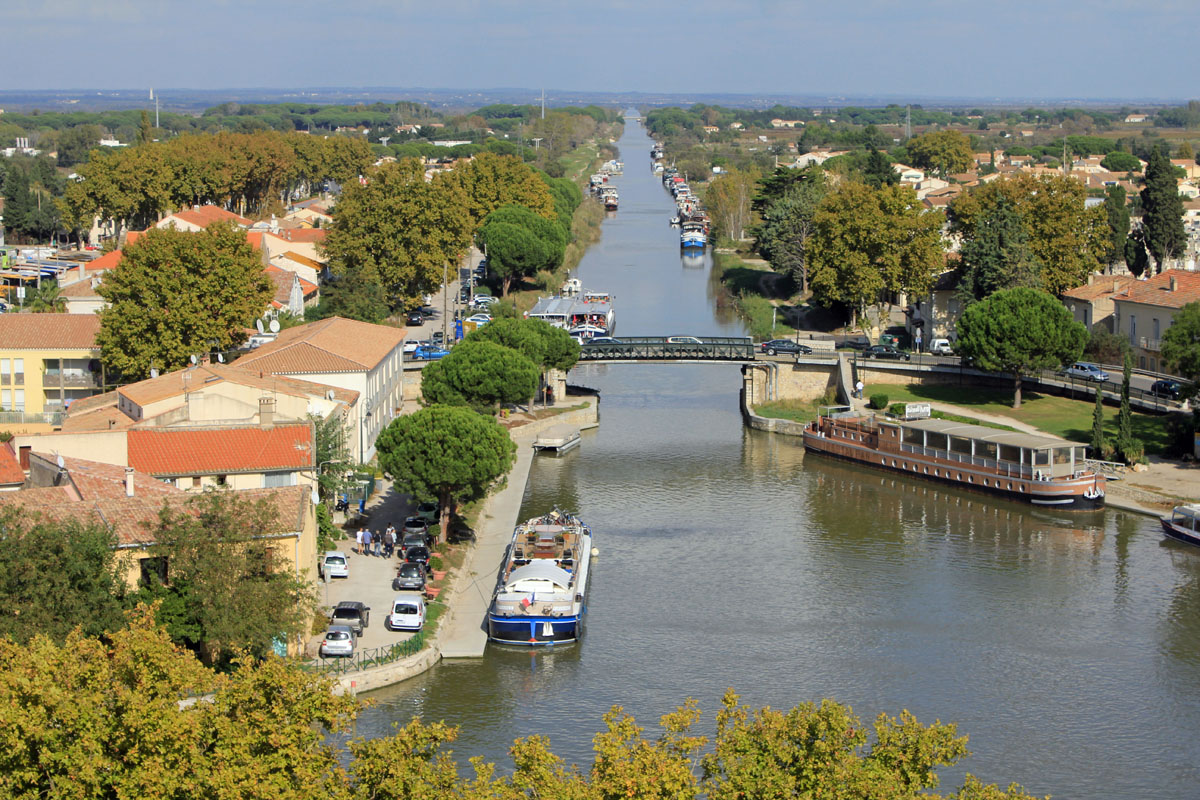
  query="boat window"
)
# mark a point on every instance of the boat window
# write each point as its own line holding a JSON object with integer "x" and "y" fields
{"x": 1080, "y": 455}
{"x": 1062, "y": 455}
{"x": 914, "y": 436}
{"x": 1010, "y": 453}
{"x": 960, "y": 445}
{"x": 986, "y": 449}
{"x": 936, "y": 441}
{"x": 1041, "y": 458}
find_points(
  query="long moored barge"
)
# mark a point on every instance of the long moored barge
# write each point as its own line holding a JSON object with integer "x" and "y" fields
{"x": 1042, "y": 470}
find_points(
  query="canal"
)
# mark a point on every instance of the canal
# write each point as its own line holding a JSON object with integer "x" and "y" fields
{"x": 1067, "y": 647}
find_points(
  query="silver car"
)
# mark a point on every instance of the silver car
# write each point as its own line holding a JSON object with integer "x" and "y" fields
{"x": 339, "y": 640}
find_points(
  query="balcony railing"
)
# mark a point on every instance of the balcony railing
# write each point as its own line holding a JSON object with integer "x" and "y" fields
{"x": 69, "y": 380}
{"x": 1153, "y": 345}
{"x": 23, "y": 417}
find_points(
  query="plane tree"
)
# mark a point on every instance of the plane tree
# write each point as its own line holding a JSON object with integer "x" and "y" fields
{"x": 1018, "y": 332}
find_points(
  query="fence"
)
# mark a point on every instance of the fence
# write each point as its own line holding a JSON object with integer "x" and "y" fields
{"x": 366, "y": 659}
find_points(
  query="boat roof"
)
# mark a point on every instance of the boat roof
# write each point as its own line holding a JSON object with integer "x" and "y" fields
{"x": 979, "y": 433}
{"x": 540, "y": 570}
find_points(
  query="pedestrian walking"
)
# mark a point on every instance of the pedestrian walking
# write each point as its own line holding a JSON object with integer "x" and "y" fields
{"x": 858, "y": 390}
{"x": 378, "y": 539}
{"x": 367, "y": 541}
{"x": 358, "y": 541}
{"x": 389, "y": 541}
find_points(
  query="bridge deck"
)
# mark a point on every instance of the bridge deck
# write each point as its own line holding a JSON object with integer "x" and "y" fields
{"x": 735, "y": 349}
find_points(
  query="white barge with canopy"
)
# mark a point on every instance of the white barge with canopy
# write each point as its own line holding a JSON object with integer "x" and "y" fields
{"x": 541, "y": 595}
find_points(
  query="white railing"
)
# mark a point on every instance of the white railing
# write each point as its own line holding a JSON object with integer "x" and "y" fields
{"x": 1005, "y": 468}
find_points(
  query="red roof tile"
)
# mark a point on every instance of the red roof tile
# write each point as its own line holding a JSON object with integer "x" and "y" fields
{"x": 107, "y": 261}
{"x": 96, "y": 481}
{"x": 218, "y": 451}
{"x": 203, "y": 216}
{"x": 48, "y": 331}
{"x": 1157, "y": 290}
{"x": 329, "y": 345}
{"x": 10, "y": 470}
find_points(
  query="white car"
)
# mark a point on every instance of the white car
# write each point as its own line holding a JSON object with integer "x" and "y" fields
{"x": 483, "y": 301}
{"x": 339, "y": 640}
{"x": 408, "y": 612}
{"x": 333, "y": 565}
{"x": 941, "y": 347}
{"x": 480, "y": 319}
{"x": 410, "y": 347}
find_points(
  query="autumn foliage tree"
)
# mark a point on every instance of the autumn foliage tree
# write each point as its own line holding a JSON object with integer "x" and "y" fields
{"x": 491, "y": 181}
{"x": 175, "y": 294}
{"x": 943, "y": 152}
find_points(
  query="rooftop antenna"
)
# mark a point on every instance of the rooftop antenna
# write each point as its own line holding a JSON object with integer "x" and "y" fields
{"x": 543, "y": 103}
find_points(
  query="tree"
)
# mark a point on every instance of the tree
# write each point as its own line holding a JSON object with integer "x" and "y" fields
{"x": 788, "y": 223}
{"x": 1019, "y": 331}
{"x": 491, "y": 181}
{"x": 1069, "y": 239}
{"x": 944, "y": 152}
{"x": 352, "y": 296}
{"x": 1136, "y": 257}
{"x": 47, "y": 298}
{"x": 57, "y": 575}
{"x": 104, "y": 718}
{"x": 515, "y": 334}
{"x": 1099, "y": 440}
{"x": 866, "y": 241}
{"x": 399, "y": 231}
{"x": 443, "y": 452}
{"x": 226, "y": 589}
{"x": 519, "y": 243}
{"x": 175, "y": 294}
{"x": 997, "y": 255}
{"x": 145, "y": 129}
{"x": 74, "y": 144}
{"x": 1162, "y": 211}
{"x": 728, "y": 199}
{"x": 1181, "y": 345}
{"x": 332, "y": 453}
{"x": 1185, "y": 151}
{"x": 480, "y": 374}
{"x": 879, "y": 170}
{"x": 1128, "y": 446}
{"x": 1118, "y": 221}
{"x": 1119, "y": 161}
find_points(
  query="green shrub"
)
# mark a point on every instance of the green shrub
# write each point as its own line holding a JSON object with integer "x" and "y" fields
{"x": 435, "y": 563}
{"x": 879, "y": 401}
{"x": 897, "y": 409}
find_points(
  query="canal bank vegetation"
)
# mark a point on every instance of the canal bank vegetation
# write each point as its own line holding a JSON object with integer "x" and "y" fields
{"x": 104, "y": 718}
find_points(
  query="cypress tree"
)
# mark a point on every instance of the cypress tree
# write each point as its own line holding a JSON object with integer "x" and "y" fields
{"x": 1162, "y": 210}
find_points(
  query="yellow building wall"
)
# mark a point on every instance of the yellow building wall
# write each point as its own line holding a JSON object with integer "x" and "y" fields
{"x": 33, "y": 363}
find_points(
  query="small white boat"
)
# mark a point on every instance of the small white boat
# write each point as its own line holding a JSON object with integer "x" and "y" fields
{"x": 1184, "y": 524}
{"x": 559, "y": 439}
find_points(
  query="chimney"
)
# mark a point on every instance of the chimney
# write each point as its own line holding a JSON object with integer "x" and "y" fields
{"x": 1116, "y": 285}
{"x": 1174, "y": 283}
{"x": 129, "y": 481}
{"x": 266, "y": 411}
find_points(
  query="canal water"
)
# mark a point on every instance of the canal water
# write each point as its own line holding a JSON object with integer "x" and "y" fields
{"x": 1067, "y": 647}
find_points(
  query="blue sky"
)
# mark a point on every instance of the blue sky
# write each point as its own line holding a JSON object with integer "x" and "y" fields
{"x": 1019, "y": 48}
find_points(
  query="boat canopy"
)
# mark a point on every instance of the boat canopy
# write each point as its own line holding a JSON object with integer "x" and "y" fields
{"x": 539, "y": 570}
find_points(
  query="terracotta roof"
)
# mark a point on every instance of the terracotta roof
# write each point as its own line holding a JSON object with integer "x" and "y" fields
{"x": 10, "y": 469}
{"x": 291, "y": 255}
{"x": 329, "y": 345}
{"x": 133, "y": 518}
{"x": 96, "y": 481}
{"x": 1157, "y": 290}
{"x": 283, "y": 285}
{"x": 216, "y": 451}
{"x": 172, "y": 383}
{"x": 1100, "y": 286}
{"x": 48, "y": 331}
{"x": 80, "y": 289}
{"x": 204, "y": 216}
{"x": 308, "y": 235}
{"x": 107, "y": 261}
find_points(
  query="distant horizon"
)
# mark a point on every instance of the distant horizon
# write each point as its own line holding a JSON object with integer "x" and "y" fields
{"x": 943, "y": 50}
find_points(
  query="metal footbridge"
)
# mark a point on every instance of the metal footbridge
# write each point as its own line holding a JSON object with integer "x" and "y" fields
{"x": 669, "y": 349}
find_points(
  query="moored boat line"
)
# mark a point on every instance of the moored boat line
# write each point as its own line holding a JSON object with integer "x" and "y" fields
{"x": 1183, "y": 524}
{"x": 541, "y": 595}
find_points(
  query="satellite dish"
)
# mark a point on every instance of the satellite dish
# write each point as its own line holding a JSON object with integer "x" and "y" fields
{"x": 316, "y": 498}
{"x": 329, "y": 394}
{"x": 153, "y": 372}
{"x": 61, "y": 463}
{"x": 221, "y": 358}
{"x": 274, "y": 326}
{"x": 258, "y": 324}
{"x": 193, "y": 359}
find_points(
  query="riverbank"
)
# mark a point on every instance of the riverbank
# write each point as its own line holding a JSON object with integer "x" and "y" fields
{"x": 460, "y": 629}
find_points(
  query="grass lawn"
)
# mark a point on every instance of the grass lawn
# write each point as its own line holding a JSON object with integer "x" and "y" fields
{"x": 1060, "y": 416}
{"x": 794, "y": 410}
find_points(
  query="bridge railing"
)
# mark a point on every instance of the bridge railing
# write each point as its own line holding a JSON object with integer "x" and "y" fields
{"x": 662, "y": 348}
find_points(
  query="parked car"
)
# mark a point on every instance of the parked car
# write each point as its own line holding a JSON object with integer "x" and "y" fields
{"x": 408, "y": 613}
{"x": 603, "y": 340}
{"x": 415, "y": 539}
{"x": 941, "y": 347}
{"x": 480, "y": 319}
{"x": 415, "y": 318}
{"x": 1168, "y": 389}
{"x": 482, "y": 301}
{"x": 438, "y": 338}
{"x": 417, "y": 554}
{"x": 410, "y": 576}
{"x": 1085, "y": 372}
{"x": 429, "y": 352}
{"x": 886, "y": 351}
{"x": 683, "y": 340}
{"x": 416, "y": 525}
{"x": 333, "y": 565}
{"x": 339, "y": 640}
{"x": 774, "y": 346}
{"x": 410, "y": 346}
{"x": 429, "y": 511}
{"x": 351, "y": 613}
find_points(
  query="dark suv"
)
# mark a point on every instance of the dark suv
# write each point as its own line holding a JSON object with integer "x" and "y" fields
{"x": 885, "y": 351}
{"x": 352, "y": 614}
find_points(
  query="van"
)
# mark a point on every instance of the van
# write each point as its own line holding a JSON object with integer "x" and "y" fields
{"x": 407, "y": 613}
{"x": 941, "y": 347}
{"x": 333, "y": 565}
{"x": 683, "y": 340}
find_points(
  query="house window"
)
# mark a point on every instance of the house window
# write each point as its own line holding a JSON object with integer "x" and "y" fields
{"x": 6, "y": 399}
{"x": 5, "y": 372}
{"x": 195, "y": 481}
{"x": 153, "y": 571}
{"x": 1133, "y": 330}
{"x": 1154, "y": 322}
{"x": 19, "y": 371}
{"x": 272, "y": 480}
{"x": 18, "y": 400}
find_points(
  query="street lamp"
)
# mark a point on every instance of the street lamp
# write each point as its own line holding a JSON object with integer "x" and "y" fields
{"x": 362, "y": 450}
